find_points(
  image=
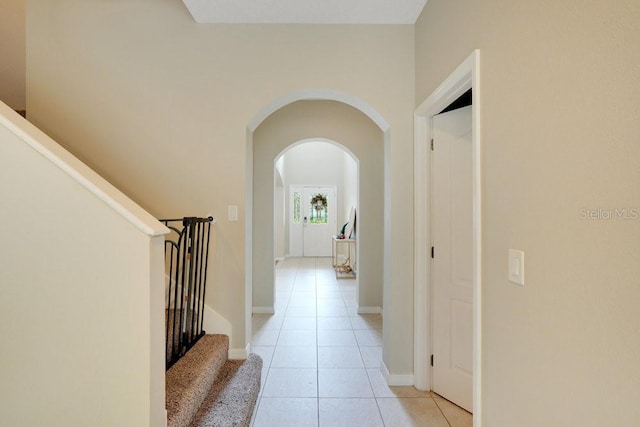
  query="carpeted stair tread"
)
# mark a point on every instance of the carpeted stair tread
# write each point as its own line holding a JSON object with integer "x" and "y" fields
{"x": 232, "y": 398}
{"x": 191, "y": 378}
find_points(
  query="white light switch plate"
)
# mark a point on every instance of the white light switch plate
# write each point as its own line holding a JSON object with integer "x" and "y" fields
{"x": 516, "y": 266}
{"x": 232, "y": 212}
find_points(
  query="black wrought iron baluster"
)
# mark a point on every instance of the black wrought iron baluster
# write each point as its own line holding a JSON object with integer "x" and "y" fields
{"x": 187, "y": 261}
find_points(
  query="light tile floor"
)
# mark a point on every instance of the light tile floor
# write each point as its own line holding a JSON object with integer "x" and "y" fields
{"x": 322, "y": 360}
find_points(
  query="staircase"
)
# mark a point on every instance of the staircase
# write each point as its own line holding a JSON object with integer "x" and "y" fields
{"x": 205, "y": 389}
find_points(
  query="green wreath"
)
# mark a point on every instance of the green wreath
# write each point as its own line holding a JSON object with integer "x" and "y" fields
{"x": 319, "y": 203}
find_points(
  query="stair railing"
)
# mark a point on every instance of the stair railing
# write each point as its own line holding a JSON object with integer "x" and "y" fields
{"x": 186, "y": 259}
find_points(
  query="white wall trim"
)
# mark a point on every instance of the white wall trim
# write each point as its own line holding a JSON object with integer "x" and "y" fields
{"x": 465, "y": 76}
{"x": 318, "y": 95}
{"x": 369, "y": 310}
{"x": 239, "y": 353}
{"x": 248, "y": 239}
{"x": 319, "y": 139}
{"x": 396, "y": 380}
{"x": 263, "y": 310}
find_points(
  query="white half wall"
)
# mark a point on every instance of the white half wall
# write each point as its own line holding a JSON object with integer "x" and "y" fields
{"x": 81, "y": 293}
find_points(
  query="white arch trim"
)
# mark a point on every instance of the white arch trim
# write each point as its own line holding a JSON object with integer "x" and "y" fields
{"x": 327, "y": 140}
{"x": 318, "y": 95}
{"x": 307, "y": 95}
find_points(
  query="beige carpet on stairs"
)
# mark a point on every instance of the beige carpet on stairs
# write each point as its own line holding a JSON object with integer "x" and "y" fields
{"x": 233, "y": 396}
{"x": 205, "y": 389}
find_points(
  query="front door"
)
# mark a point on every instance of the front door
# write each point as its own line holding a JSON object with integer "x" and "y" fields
{"x": 319, "y": 220}
{"x": 452, "y": 216}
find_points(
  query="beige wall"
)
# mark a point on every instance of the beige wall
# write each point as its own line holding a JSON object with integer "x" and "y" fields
{"x": 13, "y": 54}
{"x": 337, "y": 122}
{"x": 350, "y": 193}
{"x": 279, "y": 216}
{"x": 133, "y": 87}
{"x": 76, "y": 298}
{"x": 160, "y": 105}
{"x": 560, "y": 103}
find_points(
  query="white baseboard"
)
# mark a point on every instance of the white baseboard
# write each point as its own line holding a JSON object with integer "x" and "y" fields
{"x": 263, "y": 310}
{"x": 394, "y": 379}
{"x": 369, "y": 310}
{"x": 239, "y": 353}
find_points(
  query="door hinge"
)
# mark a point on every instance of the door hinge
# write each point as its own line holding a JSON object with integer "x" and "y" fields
{"x": 432, "y": 360}
{"x": 431, "y": 144}
{"x": 432, "y": 252}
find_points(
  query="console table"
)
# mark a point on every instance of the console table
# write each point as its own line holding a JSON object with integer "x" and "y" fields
{"x": 344, "y": 270}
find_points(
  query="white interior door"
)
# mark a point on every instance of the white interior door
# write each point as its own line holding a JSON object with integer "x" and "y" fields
{"x": 452, "y": 298}
{"x": 319, "y": 220}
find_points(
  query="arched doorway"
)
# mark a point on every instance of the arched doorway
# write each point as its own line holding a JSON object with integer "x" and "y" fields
{"x": 364, "y": 134}
{"x": 304, "y": 167}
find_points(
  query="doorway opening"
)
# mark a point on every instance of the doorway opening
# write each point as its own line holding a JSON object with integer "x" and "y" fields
{"x": 452, "y": 257}
{"x": 311, "y": 219}
{"x": 315, "y": 190}
{"x": 325, "y": 121}
{"x": 313, "y": 115}
{"x": 461, "y": 81}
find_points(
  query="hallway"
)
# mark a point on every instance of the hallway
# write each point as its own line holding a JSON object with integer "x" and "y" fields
{"x": 322, "y": 359}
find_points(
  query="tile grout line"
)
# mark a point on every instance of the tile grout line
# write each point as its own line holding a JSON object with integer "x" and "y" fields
{"x": 373, "y": 392}
{"x": 441, "y": 411}
{"x": 315, "y": 271}
{"x": 259, "y": 403}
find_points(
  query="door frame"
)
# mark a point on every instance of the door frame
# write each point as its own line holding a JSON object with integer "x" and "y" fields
{"x": 466, "y": 76}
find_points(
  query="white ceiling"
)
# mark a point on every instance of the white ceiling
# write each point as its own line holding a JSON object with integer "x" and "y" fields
{"x": 306, "y": 11}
